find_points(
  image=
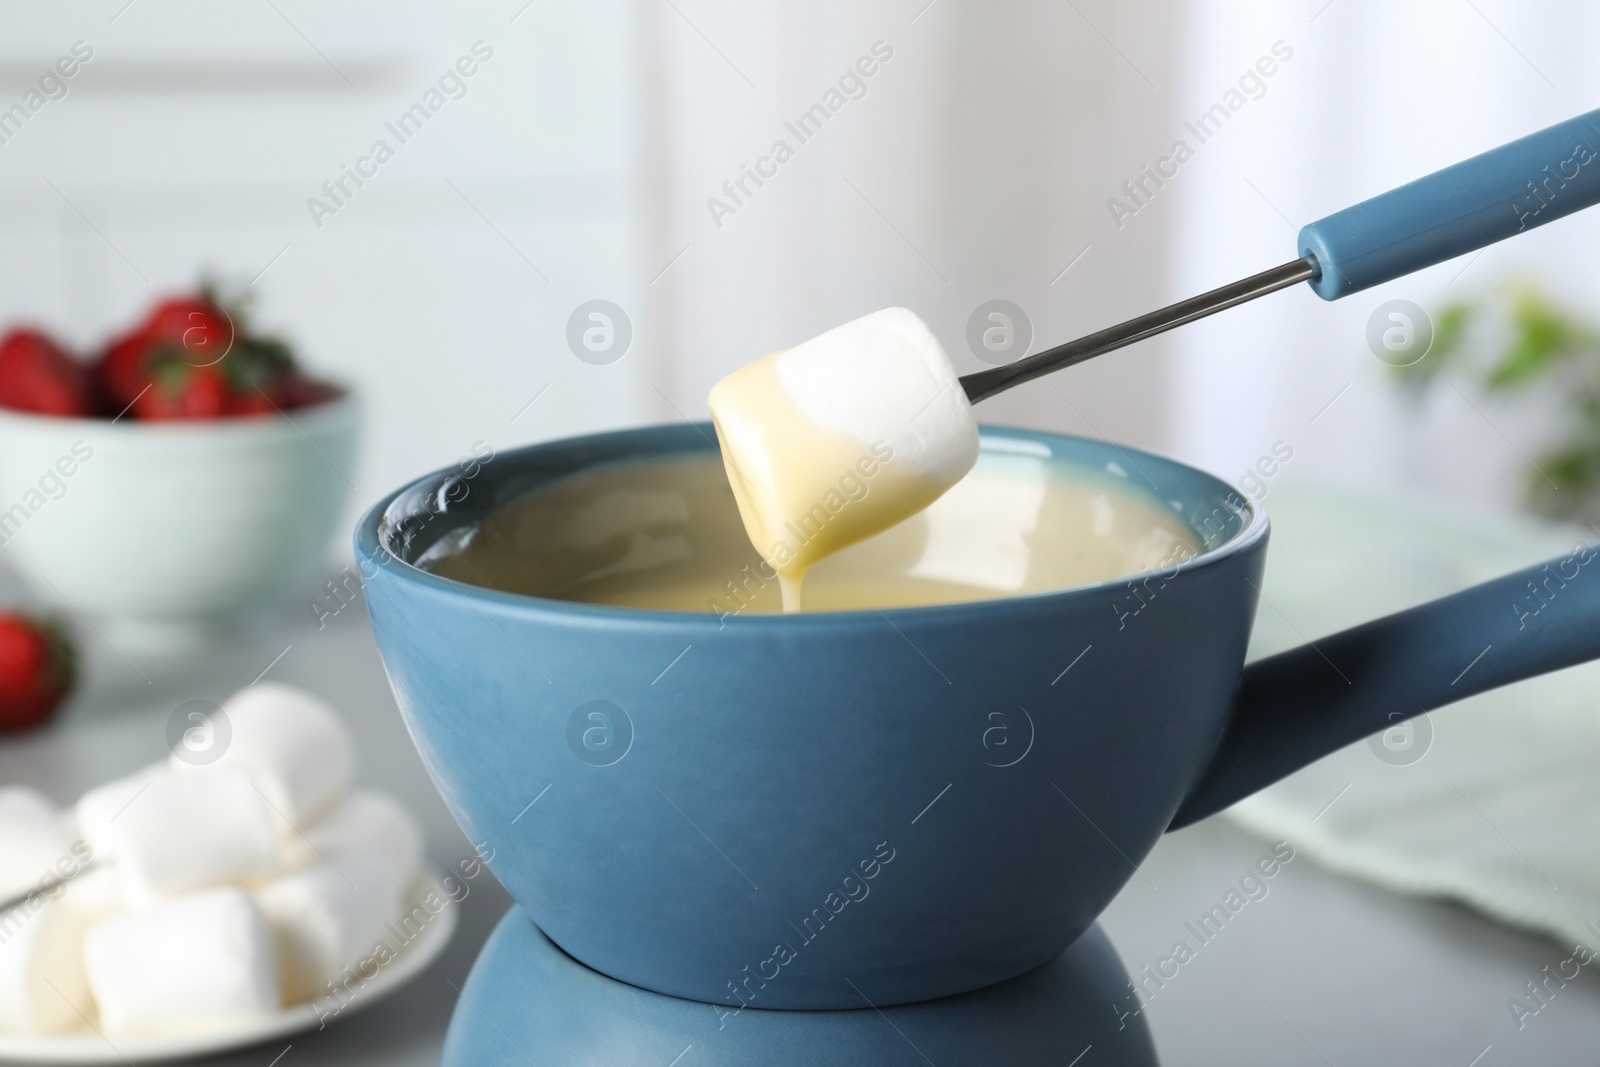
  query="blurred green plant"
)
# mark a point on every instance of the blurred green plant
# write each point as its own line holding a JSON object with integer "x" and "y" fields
{"x": 1510, "y": 341}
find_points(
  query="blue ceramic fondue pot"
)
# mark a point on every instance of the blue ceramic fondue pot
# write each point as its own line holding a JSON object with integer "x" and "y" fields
{"x": 816, "y": 811}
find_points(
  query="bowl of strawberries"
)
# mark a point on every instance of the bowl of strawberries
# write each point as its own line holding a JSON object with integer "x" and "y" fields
{"x": 168, "y": 484}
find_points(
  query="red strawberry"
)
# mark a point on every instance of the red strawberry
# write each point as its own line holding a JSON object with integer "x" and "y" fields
{"x": 198, "y": 327}
{"x": 191, "y": 360}
{"x": 180, "y": 391}
{"x": 120, "y": 374}
{"x": 253, "y": 403}
{"x": 301, "y": 392}
{"x": 194, "y": 332}
{"x": 37, "y": 375}
{"x": 36, "y": 671}
{"x": 259, "y": 368}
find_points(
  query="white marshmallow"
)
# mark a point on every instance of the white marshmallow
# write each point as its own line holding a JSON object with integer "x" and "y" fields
{"x": 295, "y": 746}
{"x": 186, "y": 831}
{"x": 36, "y": 842}
{"x": 840, "y": 438}
{"x": 95, "y": 893}
{"x": 885, "y": 377}
{"x": 330, "y": 916}
{"x": 196, "y": 962}
{"x": 365, "y": 821}
{"x": 18, "y": 801}
{"x": 43, "y": 988}
{"x": 101, "y": 806}
{"x": 42, "y": 984}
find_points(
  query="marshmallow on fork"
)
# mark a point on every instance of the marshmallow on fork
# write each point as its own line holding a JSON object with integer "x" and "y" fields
{"x": 171, "y": 833}
{"x": 195, "y": 962}
{"x": 842, "y": 437}
{"x": 291, "y": 744}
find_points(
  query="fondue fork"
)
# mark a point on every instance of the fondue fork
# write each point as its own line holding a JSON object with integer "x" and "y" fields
{"x": 44, "y": 888}
{"x": 1526, "y": 183}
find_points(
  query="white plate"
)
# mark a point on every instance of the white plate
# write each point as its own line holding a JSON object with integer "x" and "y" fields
{"x": 91, "y": 1048}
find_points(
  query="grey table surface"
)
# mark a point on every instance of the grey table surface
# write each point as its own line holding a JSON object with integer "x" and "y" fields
{"x": 1320, "y": 971}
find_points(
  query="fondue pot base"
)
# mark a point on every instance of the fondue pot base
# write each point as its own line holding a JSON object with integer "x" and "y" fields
{"x": 526, "y": 1001}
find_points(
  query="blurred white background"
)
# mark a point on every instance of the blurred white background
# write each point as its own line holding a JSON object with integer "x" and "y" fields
{"x": 977, "y": 165}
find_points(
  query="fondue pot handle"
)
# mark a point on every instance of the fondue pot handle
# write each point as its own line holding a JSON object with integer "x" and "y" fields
{"x": 1529, "y": 182}
{"x": 1300, "y": 705}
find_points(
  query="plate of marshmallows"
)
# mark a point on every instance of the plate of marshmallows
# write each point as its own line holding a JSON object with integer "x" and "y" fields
{"x": 238, "y": 891}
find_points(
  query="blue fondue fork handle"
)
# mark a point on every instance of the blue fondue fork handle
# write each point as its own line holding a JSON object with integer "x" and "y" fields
{"x": 1526, "y": 183}
{"x": 1460, "y": 209}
